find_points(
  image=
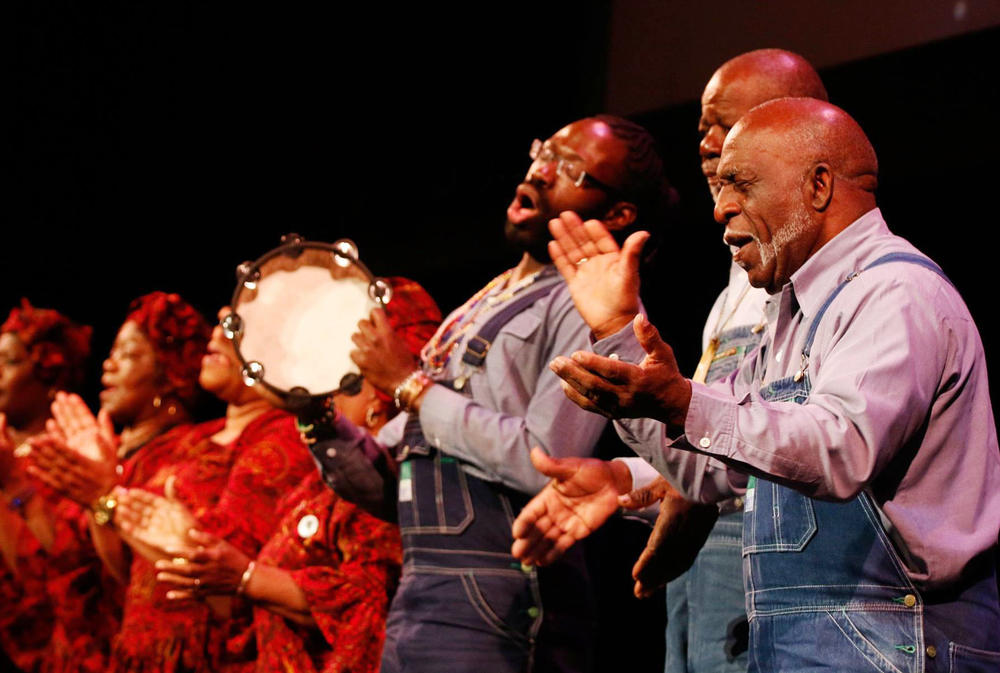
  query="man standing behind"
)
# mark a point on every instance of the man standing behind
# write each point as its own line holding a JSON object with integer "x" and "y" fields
{"x": 710, "y": 636}
{"x": 864, "y": 423}
{"x": 479, "y": 399}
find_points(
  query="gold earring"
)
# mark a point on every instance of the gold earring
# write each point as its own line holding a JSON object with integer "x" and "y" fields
{"x": 370, "y": 419}
{"x": 157, "y": 402}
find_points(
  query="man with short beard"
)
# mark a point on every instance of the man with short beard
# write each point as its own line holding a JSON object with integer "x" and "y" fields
{"x": 862, "y": 431}
{"x": 479, "y": 399}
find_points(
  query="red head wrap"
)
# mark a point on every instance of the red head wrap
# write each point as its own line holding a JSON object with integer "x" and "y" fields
{"x": 57, "y": 346}
{"x": 179, "y": 335}
{"x": 413, "y": 315}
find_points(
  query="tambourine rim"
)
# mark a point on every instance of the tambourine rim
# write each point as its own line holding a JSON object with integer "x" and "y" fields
{"x": 296, "y": 244}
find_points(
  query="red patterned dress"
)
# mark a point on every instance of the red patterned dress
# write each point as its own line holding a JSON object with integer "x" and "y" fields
{"x": 233, "y": 491}
{"x": 347, "y": 563}
{"x": 59, "y": 609}
{"x": 25, "y": 609}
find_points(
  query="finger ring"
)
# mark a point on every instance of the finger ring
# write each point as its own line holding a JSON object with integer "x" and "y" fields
{"x": 179, "y": 561}
{"x": 582, "y": 260}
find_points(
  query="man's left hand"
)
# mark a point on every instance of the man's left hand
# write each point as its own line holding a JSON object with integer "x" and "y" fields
{"x": 383, "y": 357}
{"x": 654, "y": 388}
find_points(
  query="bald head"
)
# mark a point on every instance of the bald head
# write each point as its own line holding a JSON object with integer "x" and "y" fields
{"x": 741, "y": 84}
{"x": 794, "y": 173}
{"x": 807, "y": 132}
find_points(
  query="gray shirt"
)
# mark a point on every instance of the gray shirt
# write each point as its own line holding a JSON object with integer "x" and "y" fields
{"x": 515, "y": 402}
{"x": 899, "y": 405}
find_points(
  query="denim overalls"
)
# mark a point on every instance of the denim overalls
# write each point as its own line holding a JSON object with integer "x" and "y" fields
{"x": 464, "y": 603}
{"x": 705, "y": 605}
{"x": 827, "y": 591}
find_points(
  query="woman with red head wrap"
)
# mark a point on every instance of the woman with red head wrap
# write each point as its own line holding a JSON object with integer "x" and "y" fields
{"x": 150, "y": 382}
{"x": 320, "y": 586}
{"x": 41, "y": 351}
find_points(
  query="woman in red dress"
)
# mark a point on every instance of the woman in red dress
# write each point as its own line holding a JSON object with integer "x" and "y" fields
{"x": 321, "y": 584}
{"x": 229, "y": 475}
{"x": 150, "y": 384}
{"x": 41, "y": 351}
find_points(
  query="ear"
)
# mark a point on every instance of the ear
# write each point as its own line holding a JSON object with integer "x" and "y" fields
{"x": 620, "y": 216}
{"x": 819, "y": 187}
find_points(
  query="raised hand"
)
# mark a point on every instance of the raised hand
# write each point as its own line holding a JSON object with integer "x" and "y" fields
{"x": 654, "y": 388}
{"x": 71, "y": 473}
{"x": 91, "y": 437}
{"x": 678, "y": 535}
{"x": 383, "y": 357}
{"x": 582, "y": 495}
{"x": 603, "y": 279}
{"x": 212, "y": 567}
{"x": 158, "y": 523}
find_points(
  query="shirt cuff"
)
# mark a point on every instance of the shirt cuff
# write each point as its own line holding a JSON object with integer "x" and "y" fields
{"x": 440, "y": 411}
{"x": 643, "y": 474}
{"x": 621, "y": 345}
{"x": 710, "y": 421}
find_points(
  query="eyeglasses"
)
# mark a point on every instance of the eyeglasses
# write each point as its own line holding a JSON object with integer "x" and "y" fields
{"x": 571, "y": 169}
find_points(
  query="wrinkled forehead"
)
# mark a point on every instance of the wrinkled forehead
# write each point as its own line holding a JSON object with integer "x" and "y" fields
{"x": 751, "y": 144}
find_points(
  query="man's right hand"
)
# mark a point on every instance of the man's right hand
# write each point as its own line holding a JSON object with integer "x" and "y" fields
{"x": 603, "y": 279}
{"x": 582, "y": 495}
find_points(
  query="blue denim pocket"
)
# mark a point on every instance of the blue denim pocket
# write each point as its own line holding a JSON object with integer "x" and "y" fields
{"x": 963, "y": 659}
{"x": 778, "y": 519}
{"x": 433, "y": 494}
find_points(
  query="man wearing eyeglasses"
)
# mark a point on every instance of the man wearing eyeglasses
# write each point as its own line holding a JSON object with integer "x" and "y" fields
{"x": 478, "y": 400}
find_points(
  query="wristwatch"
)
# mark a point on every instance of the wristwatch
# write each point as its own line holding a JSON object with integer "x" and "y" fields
{"x": 104, "y": 509}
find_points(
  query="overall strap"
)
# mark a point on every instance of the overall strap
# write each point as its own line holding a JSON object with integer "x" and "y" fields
{"x": 907, "y": 257}
{"x": 479, "y": 345}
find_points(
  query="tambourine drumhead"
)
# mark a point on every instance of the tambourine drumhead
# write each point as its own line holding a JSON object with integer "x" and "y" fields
{"x": 297, "y": 317}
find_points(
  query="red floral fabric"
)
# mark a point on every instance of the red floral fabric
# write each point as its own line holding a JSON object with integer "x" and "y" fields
{"x": 179, "y": 335}
{"x": 25, "y": 609}
{"x": 231, "y": 490}
{"x": 348, "y": 569}
{"x": 57, "y": 345}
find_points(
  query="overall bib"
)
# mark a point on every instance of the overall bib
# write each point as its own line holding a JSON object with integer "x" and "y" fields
{"x": 706, "y": 617}
{"x": 464, "y": 603}
{"x": 827, "y": 591}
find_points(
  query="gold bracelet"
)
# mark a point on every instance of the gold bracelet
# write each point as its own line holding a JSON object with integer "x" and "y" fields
{"x": 104, "y": 509}
{"x": 410, "y": 389}
{"x": 245, "y": 579}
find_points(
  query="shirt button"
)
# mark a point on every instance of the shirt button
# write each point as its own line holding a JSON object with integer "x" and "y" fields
{"x": 909, "y": 600}
{"x": 331, "y": 452}
{"x": 931, "y": 651}
{"x": 533, "y": 612}
{"x": 613, "y": 356}
{"x": 704, "y": 442}
{"x": 119, "y": 469}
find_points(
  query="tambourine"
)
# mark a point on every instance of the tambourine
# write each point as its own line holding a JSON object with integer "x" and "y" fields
{"x": 292, "y": 316}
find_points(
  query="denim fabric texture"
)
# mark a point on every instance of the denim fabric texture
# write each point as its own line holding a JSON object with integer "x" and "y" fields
{"x": 827, "y": 591}
{"x": 705, "y": 603}
{"x": 463, "y": 598}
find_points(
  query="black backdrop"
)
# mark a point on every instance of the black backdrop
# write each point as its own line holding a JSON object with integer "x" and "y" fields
{"x": 157, "y": 146}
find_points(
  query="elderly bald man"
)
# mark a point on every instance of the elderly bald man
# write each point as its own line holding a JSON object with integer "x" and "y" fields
{"x": 862, "y": 430}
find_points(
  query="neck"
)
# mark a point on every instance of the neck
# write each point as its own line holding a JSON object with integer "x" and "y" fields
{"x": 527, "y": 266}
{"x": 140, "y": 432}
{"x": 240, "y": 415}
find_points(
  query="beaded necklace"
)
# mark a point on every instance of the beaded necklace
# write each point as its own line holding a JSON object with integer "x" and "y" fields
{"x": 437, "y": 352}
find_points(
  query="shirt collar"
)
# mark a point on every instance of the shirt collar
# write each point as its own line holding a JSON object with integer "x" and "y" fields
{"x": 845, "y": 253}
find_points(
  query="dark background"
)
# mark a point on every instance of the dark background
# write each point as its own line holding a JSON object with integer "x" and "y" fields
{"x": 155, "y": 146}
